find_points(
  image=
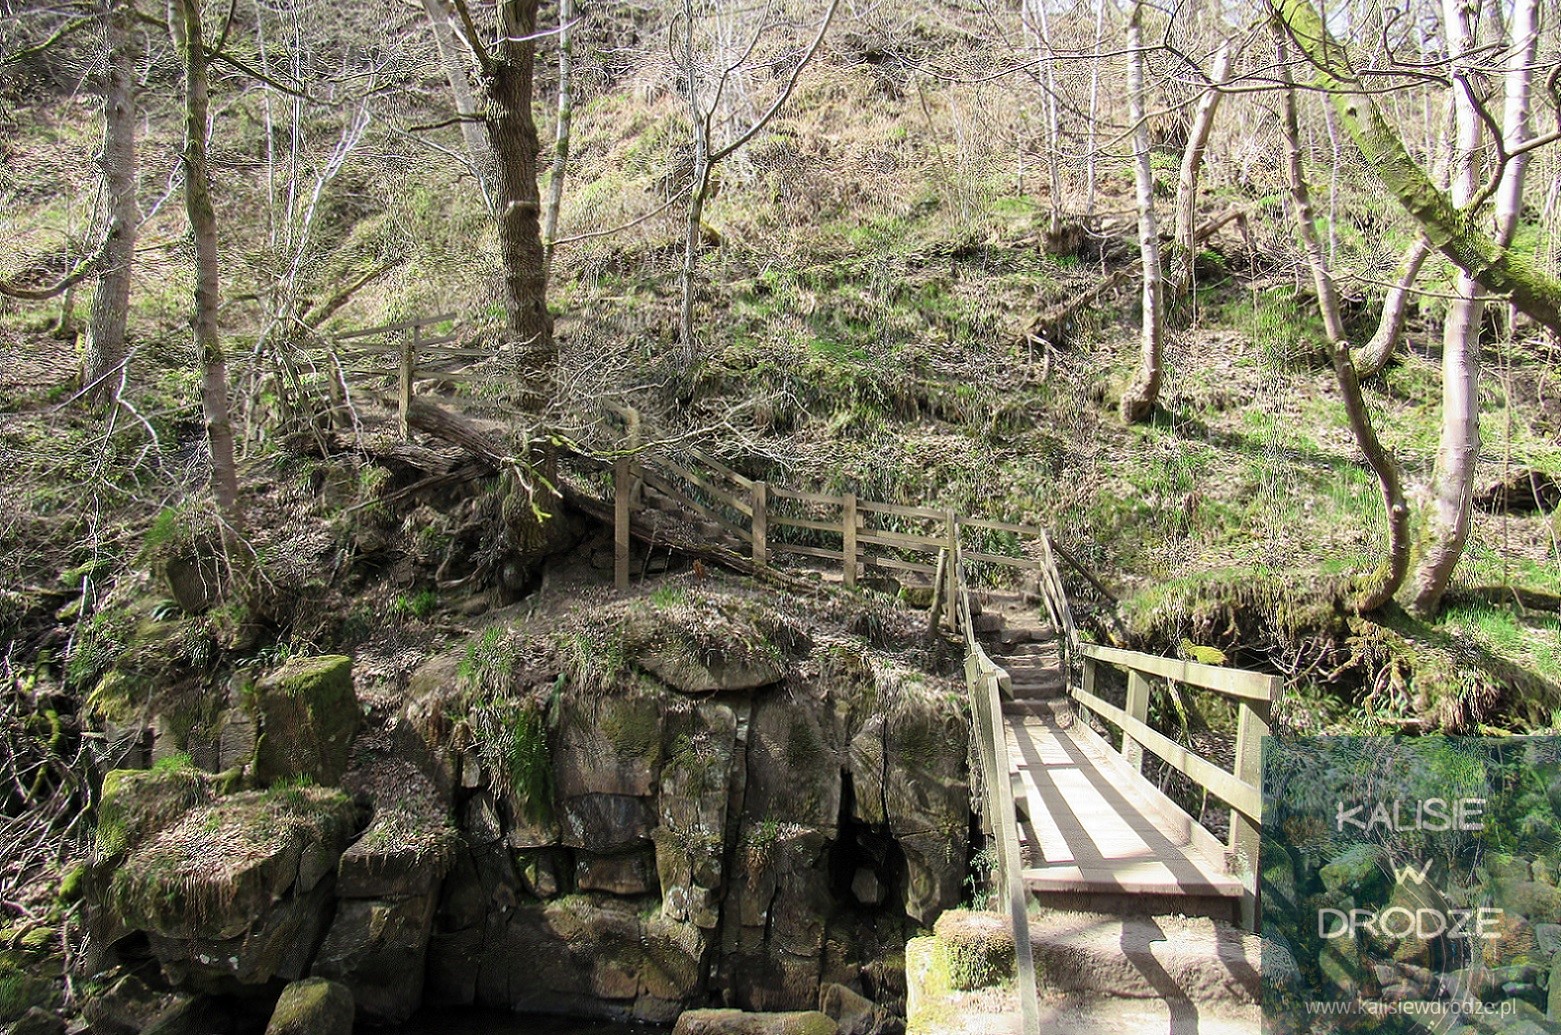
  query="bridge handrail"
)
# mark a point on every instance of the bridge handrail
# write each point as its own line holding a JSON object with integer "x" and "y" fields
{"x": 983, "y": 683}
{"x": 1252, "y": 692}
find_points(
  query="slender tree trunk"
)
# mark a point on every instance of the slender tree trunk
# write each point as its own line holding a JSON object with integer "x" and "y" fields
{"x": 1515, "y": 116}
{"x": 1449, "y": 517}
{"x": 466, "y": 107}
{"x": 104, "y": 346}
{"x": 512, "y": 132}
{"x": 1192, "y": 167}
{"x": 1379, "y": 589}
{"x": 184, "y": 16}
{"x": 1496, "y": 268}
{"x": 1038, "y": 28}
{"x": 1094, "y": 109}
{"x": 1139, "y": 399}
{"x": 1371, "y": 358}
{"x": 566, "y": 114}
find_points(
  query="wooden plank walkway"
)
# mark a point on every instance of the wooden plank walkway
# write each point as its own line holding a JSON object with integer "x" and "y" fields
{"x": 1091, "y": 826}
{"x": 1092, "y": 830}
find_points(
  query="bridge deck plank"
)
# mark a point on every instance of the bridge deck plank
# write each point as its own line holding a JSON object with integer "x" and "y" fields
{"x": 1092, "y": 826}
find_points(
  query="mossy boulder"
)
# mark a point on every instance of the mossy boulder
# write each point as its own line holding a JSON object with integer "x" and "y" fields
{"x": 236, "y": 891}
{"x": 978, "y": 949}
{"x": 735, "y": 1022}
{"x": 313, "y": 1006}
{"x": 308, "y": 714}
{"x": 139, "y": 803}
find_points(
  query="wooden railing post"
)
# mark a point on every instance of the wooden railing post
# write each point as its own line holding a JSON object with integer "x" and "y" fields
{"x": 1245, "y": 836}
{"x": 1138, "y": 708}
{"x": 848, "y": 538}
{"x": 952, "y": 604}
{"x": 761, "y": 522}
{"x": 623, "y": 483}
{"x": 408, "y": 368}
{"x": 935, "y": 609}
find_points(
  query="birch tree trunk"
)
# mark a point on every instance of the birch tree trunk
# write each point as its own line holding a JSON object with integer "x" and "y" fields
{"x": 1192, "y": 167}
{"x": 1492, "y": 265}
{"x": 1138, "y": 401}
{"x": 566, "y": 114}
{"x": 1379, "y": 588}
{"x": 104, "y": 347}
{"x": 466, "y": 107}
{"x": 1038, "y": 28}
{"x": 184, "y": 18}
{"x": 1452, "y": 483}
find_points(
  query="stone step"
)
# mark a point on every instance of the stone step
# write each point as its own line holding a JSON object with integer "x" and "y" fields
{"x": 1093, "y": 974}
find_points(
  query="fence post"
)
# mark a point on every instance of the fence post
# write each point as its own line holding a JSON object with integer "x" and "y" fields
{"x": 622, "y": 484}
{"x": 935, "y": 607}
{"x": 1246, "y": 836}
{"x": 1138, "y": 708}
{"x": 951, "y": 604}
{"x": 408, "y": 367}
{"x": 761, "y": 522}
{"x": 848, "y": 538}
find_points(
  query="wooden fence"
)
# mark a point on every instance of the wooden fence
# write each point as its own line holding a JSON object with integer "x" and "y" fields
{"x": 857, "y": 534}
{"x": 414, "y": 351}
{"x": 983, "y": 685}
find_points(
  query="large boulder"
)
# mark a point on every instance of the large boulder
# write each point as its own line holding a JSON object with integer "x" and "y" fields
{"x": 376, "y": 950}
{"x": 735, "y": 1022}
{"x": 236, "y": 891}
{"x": 307, "y": 713}
{"x": 313, "y": 1006}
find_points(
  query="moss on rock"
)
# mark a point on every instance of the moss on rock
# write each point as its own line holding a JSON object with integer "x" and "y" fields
{"x": 308, "y": 714}
{"x": 221, "y": 866}
{"x": 313, "y": 1006}
{"x": 139, "y": 803}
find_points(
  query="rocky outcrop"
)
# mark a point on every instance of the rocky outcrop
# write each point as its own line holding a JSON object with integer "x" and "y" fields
{"x": 735, "y": 1022}
{"x": 678, "y": 801}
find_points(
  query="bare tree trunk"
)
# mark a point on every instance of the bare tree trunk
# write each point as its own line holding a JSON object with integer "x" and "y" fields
{"x": 1192, "y": 167}
{"x": 184, "y": 17}
{"x": 1372, "y": 357}
{"x": 105, "y": 339}
{"x": 1494, "y": 266}
{"x": 707, "y": 154}
{"x": 466, "y": 106}
{"x": 1449, "y": 517}
{"x": 566, "y": 114}
{"x": 1033, "y": 16}
{"x": 1139, "y": 399}
{"x": 1094, "y": 110}
{"x": 1515, "y": 116}
{"x": 1379, "y": 589}
{"x": 512, "y": 131}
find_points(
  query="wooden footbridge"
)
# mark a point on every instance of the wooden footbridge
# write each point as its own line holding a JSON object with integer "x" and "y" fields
{"x": 1062, "y": 727}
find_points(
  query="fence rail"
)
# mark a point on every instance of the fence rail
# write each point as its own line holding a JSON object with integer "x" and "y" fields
{"x": 419, "y": 356}
{"x": 983, "y": 684}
